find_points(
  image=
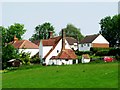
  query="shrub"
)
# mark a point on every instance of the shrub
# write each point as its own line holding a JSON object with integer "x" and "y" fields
{"x": 79, "y": 53}
{"x": 79, "y": 59}
{"x": 102, "y": 53}
{"x": 35, "y": 59}
{"x": 25, "y": 58}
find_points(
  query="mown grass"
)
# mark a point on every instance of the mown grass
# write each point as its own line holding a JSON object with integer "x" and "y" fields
{"x": 102, "y": 75}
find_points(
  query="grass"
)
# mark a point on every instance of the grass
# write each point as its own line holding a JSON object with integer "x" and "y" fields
{"x": 102, "y": 75}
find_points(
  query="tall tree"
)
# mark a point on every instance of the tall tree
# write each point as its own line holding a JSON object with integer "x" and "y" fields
{"x": 110, "y": 29}
{"x": 72, "y": 31}
{"x": 13, "y": 30}
{"x": 41, "y": 31}
{"x": 7, "y": 35}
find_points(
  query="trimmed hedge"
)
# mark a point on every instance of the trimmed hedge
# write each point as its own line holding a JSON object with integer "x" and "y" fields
{"x": 100, "y": 52}
{"x": 79, "y": 53}
{"x": 105, "y": 51}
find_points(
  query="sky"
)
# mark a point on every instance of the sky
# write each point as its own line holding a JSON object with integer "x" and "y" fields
{"x": 83, "y": 15}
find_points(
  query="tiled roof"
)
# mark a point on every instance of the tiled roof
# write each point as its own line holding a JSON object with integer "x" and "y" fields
{"x": 37, "y": 42}
{"x": 71, "y": 40}
{"x": 65, "y": 54}
{"x": 55, "y": 41}
{"x": 51, "y": 41}
{"x": 24, "y": 44}
{"x": 89, "y": 38}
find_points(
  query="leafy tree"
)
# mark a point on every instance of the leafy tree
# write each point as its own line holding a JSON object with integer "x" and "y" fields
{"x": 41, "y": 31}
{"x": 72, "y": 31}
{"x": 7, "y": 35}
{"x": 110, "y": 29}
{"x": 8, "y": 52}
{"x": 13, "y": 30}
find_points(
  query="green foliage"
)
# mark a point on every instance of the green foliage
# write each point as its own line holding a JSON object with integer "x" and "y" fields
{"x": 35, "y": 59}
{"x": 13, "y": 30}
{"x": 102, "y": 53}
{"x": 110, "y": 29}
{"x": 105, "y": 51}
{"x": 7, "y": 35}
{"x": 25, "y": 58}
{"x": 79, "y": 53}
{"x": 72, "y": 31}
{"x": 41, "y": 31}
{"x": 9, "y": 52}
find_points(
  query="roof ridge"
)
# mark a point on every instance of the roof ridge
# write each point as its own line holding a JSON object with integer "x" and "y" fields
{"x": 51, "y": 49}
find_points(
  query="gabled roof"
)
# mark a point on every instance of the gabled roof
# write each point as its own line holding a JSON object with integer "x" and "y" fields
{"x": 89, "y": 38}
{"x": 24, "y": 44}
{"x": 71, "y": 40}
{"x": 51, "y": 41}
{"x": 55, "y": 41}
{"x": 65, "y": 54}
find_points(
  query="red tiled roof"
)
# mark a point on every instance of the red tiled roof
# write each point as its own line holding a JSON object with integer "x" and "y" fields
{"x": 55, "y": 41}
{"x": 65, "y": 54}
{"x": 51, "y": 41}
{"x": 37, "y": 42}
{"x": 24, "y": 44}
{"x": 89, "y": 38}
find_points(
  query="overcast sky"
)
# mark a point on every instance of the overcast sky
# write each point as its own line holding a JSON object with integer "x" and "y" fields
{"x": 84, "y": 15}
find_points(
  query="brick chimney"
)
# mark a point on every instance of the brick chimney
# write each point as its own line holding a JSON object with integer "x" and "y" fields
{"x": 15, "y": 39}
{"x": 50, "y": 34}
{"x": 63, "y": 39}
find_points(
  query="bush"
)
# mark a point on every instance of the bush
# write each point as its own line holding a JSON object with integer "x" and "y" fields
{"x": 79, "y": 59}
{"x": 105, "y": 51}
{"x": 102, "y": 53}
{"x": 79, "y": 53}
{"x": 35, "y": 59}
{"x": 97, "y": 61}
{"x": 25, "y": 58}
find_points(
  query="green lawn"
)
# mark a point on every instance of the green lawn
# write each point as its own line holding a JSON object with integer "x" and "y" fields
{"x": 70, "y": 76}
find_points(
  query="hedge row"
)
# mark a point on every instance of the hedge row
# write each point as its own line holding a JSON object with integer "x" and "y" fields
{"x": 105, "y": 51}
{"x": 101, "y": 52}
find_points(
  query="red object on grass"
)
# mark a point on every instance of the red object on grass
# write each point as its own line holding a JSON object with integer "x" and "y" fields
{"x": 108, "y": 59}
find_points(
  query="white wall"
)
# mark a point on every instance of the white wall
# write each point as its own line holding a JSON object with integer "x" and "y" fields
{"x": 32, "y": 51}
{"x": 43, "y": 50}
{"x": 54, "y": 52}
{"x": 60, "y": 62}
{"x": 75, "y": 47}
{"x": 57, "y": 48}
{"x": 100, "y": 39}
{"x": 67, "y": 46}
{"x": 85, "y": 47}
{"x": 46, "y": 49}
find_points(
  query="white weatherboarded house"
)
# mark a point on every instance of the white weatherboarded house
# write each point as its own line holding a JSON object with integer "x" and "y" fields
{"x": 97, "y": 41}
{"x": 56, "y": 51}
{"x": 25, "y": 46}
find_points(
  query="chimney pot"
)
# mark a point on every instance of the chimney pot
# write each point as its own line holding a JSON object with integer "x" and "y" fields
{"x": 15, "y": 39}
{"x": 50, "y": 34}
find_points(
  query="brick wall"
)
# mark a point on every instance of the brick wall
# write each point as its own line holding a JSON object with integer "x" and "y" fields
{"x": 102, "y": 45}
